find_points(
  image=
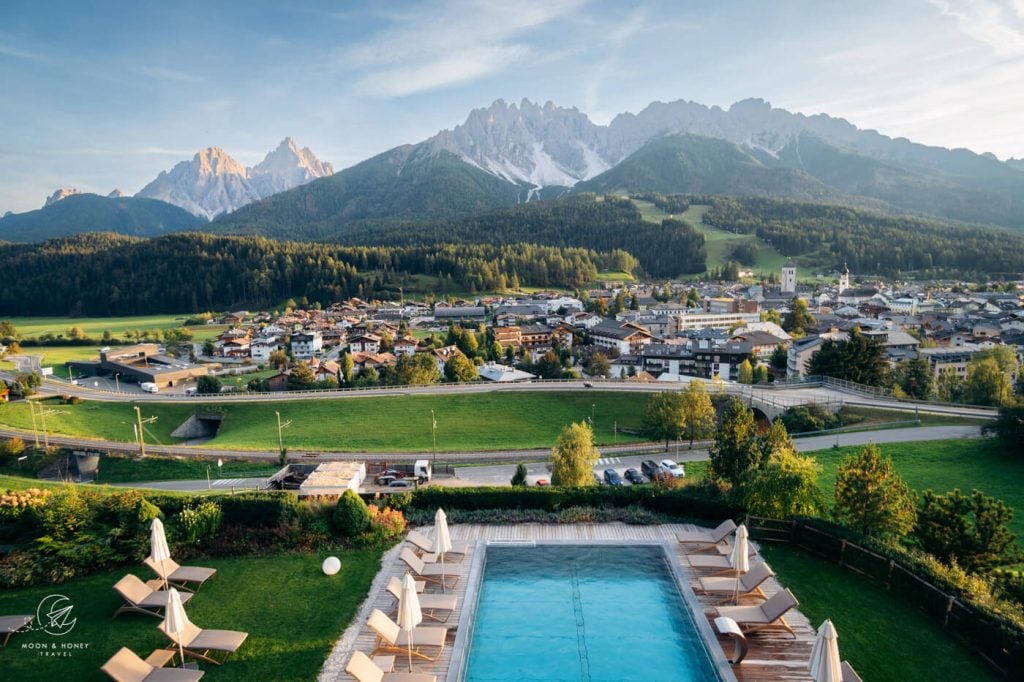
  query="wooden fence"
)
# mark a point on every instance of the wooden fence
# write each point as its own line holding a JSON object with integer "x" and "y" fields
{"x": 992, "y": 639}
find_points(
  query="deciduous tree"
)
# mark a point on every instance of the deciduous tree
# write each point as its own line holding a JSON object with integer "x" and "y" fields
{"x": 698, "y": 412}
{"x": 871, "y": 497}
{"x": 735, "y": 449}
{"x": 785, "y": 485}
{"x": 665, "y": 416}
{"x": 574, "y": 456}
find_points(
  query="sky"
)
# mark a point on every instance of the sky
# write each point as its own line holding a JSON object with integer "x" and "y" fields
{"x": 105, "y": 95}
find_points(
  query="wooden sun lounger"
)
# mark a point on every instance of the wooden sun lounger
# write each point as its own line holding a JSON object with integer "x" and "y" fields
{"x": 126, "y": 666}
{"x": 425, "y": 547}
{"x": 436, "y": 607}
{"x": 140, "y": 597}
{"x": 427, "y": 640}
{"x": 11, "y": 624}
{"x": 707, "y": 539}
{"x": 199, "y": 643}
{"x": 432, "y": 573}
{"x": 849, "y": 674}
{"x": 762, "y": 616}
{"x": 749, "y": 583}
{"x": 362, "y": 667}
{"x": 180, "y": 576}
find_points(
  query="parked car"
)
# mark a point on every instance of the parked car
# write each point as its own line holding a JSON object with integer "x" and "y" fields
{"x": 400, "y": 483}
{"x": 672, "y": 468}
{"x": 611, "y": 477}
{"x": 543, "y": 481}
{"x": 385, "y": 477}
{"x": 650, "y": 468}
{"x": 597, "y": 478}
{"x": 634, "y": 477}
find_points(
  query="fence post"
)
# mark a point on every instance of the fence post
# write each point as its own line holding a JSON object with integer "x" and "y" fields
{"x": 888, "y": 578}
{"x": 949, "y": 609}
{"x": 842, "y": 551}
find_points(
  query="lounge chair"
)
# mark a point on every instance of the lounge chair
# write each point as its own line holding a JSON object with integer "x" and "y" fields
{"x": 749, "y": 583}
{"x": 362, "y": 667}
{"x": 432, "y": 573}
{"x": 140, "y": 597}
{"x": 767, "y": 615}
{"x": 707, "y": 539}
{"x": 11, "y": 624}
{"x": 198, "y": 642}
{"x": 125, "y": 666}
{"x": 427, "y": 640}
{"x": 716, "y": 564}
{"x": 180, "y": 576}
{"x": 849, "y": 674}
{"x": 425, "y": 546}
{"x": 432, "y": 606}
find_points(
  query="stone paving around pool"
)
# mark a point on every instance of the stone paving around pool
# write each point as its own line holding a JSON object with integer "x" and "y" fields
{"x": 773, "y": 655}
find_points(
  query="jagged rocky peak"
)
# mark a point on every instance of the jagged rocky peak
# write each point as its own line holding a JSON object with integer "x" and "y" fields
{"x": 62, "y": 193}
{"x": 529, "y": 143}
{"x": 286, "y": 167}
{"x": 116, "y": 194}
{"x": 213, "y": 182}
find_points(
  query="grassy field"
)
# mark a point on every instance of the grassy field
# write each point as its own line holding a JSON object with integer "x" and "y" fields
{"x": 882, "y": 638}
{"x": 280, "y": 601}
{"x": 719, "y": 242}
{"x": 939, "y": 465}
{"x": 609, "y": 276}
{"x": 132, "y": 470}
{"x": 491, "y": 421}
{"x": 95, "y": 326}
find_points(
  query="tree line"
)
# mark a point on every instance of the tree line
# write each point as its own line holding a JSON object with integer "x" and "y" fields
{"x": 869, "y": 241}
{"x": 106, "y": 274}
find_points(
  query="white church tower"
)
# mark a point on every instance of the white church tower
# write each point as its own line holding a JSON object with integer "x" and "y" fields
{"x": 844, "y": 278}
{"x": 789, "y": 277}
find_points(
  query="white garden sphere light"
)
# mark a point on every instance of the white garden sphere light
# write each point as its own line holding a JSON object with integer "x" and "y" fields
{"x": 331, "y": 565}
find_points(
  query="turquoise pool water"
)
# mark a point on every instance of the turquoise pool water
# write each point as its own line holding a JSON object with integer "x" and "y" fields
{"x": 589, "y": 613}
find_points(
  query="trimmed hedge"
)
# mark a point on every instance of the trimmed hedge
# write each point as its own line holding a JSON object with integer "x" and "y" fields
{"x": 695, "y": 502}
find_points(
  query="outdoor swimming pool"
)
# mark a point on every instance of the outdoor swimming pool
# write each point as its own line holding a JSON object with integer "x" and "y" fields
{"x": 583, "y": 612}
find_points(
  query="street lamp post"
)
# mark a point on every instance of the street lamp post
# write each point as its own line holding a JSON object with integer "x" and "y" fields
{"x": 280, "y": 439}
{"x": 117, "y": 383}
{"x": 433, "y": 438}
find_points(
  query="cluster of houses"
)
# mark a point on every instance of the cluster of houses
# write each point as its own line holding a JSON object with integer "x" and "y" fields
{"x": 709, "y": 334}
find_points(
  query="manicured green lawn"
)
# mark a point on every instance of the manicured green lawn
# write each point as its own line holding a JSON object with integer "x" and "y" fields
{"x": 130, "y": 470}
{"x": 485, "y": 421}
{"x": 94, "y": 326}
{"x": 883, "y": 638}
{"x": 939, "y": 465}
{"x": 292, "y": 612}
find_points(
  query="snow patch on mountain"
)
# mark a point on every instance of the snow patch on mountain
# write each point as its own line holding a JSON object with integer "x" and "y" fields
{"x": 62, "y": 193}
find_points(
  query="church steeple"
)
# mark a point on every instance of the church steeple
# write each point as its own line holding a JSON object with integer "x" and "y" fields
{"x": 844, "y": 278}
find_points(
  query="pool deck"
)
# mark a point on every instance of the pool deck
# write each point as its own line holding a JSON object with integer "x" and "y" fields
{"x": 773, "y": 654}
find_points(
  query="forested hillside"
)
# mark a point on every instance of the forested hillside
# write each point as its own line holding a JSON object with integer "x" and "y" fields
{"x": 668, "y": 249}
{"x": 106, "y": 274}
{"x": 868, "y": 241}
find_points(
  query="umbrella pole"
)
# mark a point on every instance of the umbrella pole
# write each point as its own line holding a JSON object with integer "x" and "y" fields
{"x": 163, "y": 569}
{"x": 736, "y": 588}
{"x": 410, "y": 651}
{"x": 444, "y": 579}
{"x": 181, "y": 650}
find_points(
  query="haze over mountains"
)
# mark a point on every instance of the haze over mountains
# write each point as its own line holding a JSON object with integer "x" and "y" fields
{"x": 512, "y": 153}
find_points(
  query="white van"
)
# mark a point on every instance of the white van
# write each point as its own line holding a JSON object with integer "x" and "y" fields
{"x": 191, "y": 390}
{"x": 148, "y": 387}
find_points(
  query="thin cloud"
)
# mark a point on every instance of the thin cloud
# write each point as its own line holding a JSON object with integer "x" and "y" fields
{"x": 988, "y": 22}
{"x": 444, "y": 46}
{"x": 618, "y": 38}
{"x": 161, "y": 73}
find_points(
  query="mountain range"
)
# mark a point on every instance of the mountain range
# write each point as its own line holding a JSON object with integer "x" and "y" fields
{"x": 750, "y": 148}
{"x": 213, "y": 183}
{"x": 507, "y": 154}
{"x": 79, "y": 212}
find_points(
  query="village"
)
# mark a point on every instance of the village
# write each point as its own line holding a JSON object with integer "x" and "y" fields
{"x": 749, "y": 333}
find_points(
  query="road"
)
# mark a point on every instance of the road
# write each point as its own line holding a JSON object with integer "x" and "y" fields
{"x": 502, "y": 474}
{"x": 200, "y": 485}
{"x": 780, "y": 397}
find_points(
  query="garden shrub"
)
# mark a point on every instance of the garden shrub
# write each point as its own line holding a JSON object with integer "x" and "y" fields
{"x": 264, "y": 509}
{"x": 387, "y": 526}
{"x": 202, "y": 521}
{"x": 14, "y": 503}
{"x": 351, "y": 515}
{"x": 1009, "y": 585}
